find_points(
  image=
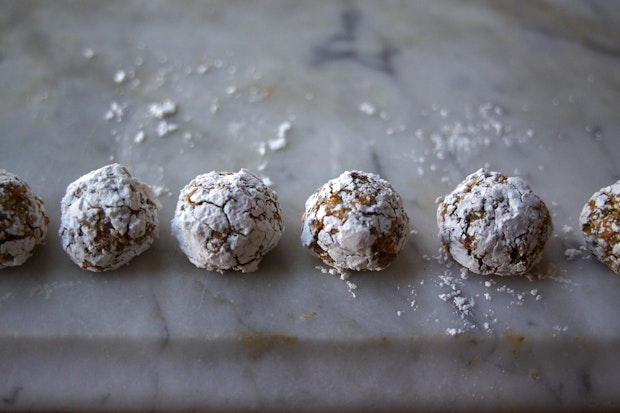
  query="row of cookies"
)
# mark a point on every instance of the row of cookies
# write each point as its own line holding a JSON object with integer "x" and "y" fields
{"x": 490, "y": 223}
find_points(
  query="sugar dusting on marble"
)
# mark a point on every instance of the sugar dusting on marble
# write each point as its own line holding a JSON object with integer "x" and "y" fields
{"x": 459, "y": 136}
{"x": 115, "y": 112}
{"x": 281, "y": 139}
{"x": 474, "y": 315}
{"x": 482, "y": 127}
{"x": 160, "y": 118}
{"x": 88, "y": 53}
{"x": 463, "y": 305}
{"x": 342, "y": 275}
{"x": 120, "y": 76}
{"x": 164, "y": 109}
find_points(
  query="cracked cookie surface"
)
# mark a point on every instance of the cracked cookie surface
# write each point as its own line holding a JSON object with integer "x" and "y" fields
{"x": 227, "y": 221}
{"x": 494, "y": 224}
{"x": 355, "y": 222}
{"x": 108, "y": 218}
{"x": 23, "y": 220}
{"x": 600, "y": 225}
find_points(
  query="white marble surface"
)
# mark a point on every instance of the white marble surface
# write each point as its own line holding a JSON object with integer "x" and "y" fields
{"x": 422, "y": 93}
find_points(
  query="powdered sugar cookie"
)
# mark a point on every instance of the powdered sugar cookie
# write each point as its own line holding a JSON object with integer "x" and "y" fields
{"x": 493, "y": 224}
{"x": 23, "y": 220}
{"x": 600, "y": 225}
{"x": 108, "y": 218}
{"x": 355, "y": 222}
{"x": 226, "y": 220}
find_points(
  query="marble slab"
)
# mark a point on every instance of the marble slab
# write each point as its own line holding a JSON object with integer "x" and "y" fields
{"x": 422, "y": 93}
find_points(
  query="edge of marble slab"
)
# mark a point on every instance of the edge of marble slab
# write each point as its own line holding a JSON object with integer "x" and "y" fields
{"x": 277, "y": 372}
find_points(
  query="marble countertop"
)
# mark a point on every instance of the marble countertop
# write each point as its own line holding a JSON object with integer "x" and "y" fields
{"x": 422, "y": 93}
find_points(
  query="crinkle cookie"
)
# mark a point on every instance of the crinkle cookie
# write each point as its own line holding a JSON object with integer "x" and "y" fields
{"x": 493, "y": 224}
{"x": 23, "y": 221}
{"x": 600, "y": 225}
{"x": 227, "y": 221}
{"x": 108, "y": 218}
{"x": 355, "y": 222}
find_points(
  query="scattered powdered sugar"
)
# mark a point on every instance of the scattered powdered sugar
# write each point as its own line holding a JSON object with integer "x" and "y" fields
{"x": 458, "y": 140}
{"x": 454, "y": 331}
{"x": 116, "y": 112}
{"x": 573, "y": 253}
{"x": 448, "y": 148}
{"x": 461, "y": 138}
{"x": 368, "y": 108}
{"x": 149, "y": 90}
{"x": 463, "y": 306}
{"x": 88, "y": 53}
{"x": 281, "y": 139}
{"x": 330, "y": 271}
{"x": 352, "y": 287}
{"x": 342, "y": 275}
{"x": 161, "y": 190}
{"x": 120, "y": 76}
{"x": 139, "y": 137}
{"x": 164, "y": 109}
{"x": 165, "y": 128}
{"x": 567, "y": 229}
{"x": 473, "y": 300}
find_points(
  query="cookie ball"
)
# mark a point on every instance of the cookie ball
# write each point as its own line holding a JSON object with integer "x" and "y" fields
{"x": 600, "y": 225}
{"x": 493, "y": 224}
{"x": 108, "y": 218}
{"x": 23, "y": 221}
{"x": 355, "y": 222}
{"x": 227, "y": 221}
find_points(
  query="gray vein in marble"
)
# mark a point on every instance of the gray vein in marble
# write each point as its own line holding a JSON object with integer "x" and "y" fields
{"x": 598, "y": 34}
{"x": 160, "y": 316}
{"x": 343, "y": 45}
{"x": 12, "y": 397}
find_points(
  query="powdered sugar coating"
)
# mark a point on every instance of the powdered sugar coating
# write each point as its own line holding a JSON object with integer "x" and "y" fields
{"x": 493, "y": 224}
{"x": 226, "y": 220}
{"x": 23, "y": 220}
{"x": 600, "y": 225}
{"x": 355, "y": 222}
{"x": 108, "y": 218}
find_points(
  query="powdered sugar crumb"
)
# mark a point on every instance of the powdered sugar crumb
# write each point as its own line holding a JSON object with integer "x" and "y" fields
{"x": 88, "y": 53}
{"x": 120, "y": 76}
{"x": 463, "y": 305}
{"x": 164, "y": 109}
{"x": 572, "y": 253}
{"x": 139, "y": 137}
{"x": 324, "y": 270}
{"x": 368, "y": 108}
{"x": 280, "y": 141}
{"x": 343, "y": 275}
{"x": 115, "y": 112}
{"x": 165, "y": 128}
{"x": 454, "y": 331}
